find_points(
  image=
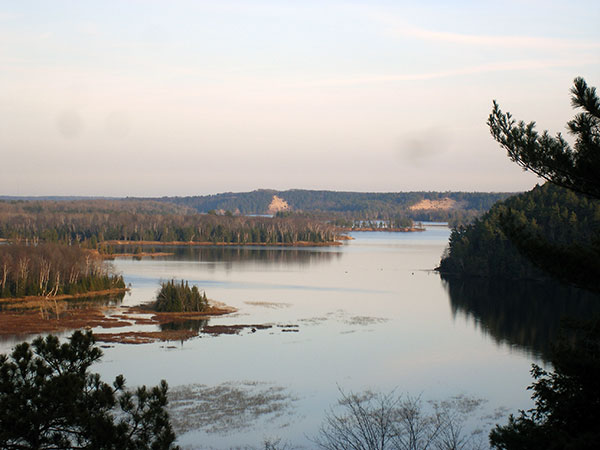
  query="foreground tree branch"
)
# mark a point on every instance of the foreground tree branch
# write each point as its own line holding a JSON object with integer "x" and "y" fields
{"x": 552, "y": 158}
{"x": 50, "y": 400}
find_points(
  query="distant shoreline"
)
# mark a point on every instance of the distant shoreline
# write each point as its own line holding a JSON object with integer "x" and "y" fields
{"x": 391, "y": 230}
{"x": 226, "y": 244}
{"x": 39, "y": 298}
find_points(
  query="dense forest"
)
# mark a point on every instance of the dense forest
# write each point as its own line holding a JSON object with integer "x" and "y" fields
{"x": 50, "y": 269}
{"x": 89, "y": 223}
{"x": 547, "y": 214}
{"x": 360, "y": 205}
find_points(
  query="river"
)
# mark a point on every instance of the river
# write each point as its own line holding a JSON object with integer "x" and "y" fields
{"x": 370, "y": 314}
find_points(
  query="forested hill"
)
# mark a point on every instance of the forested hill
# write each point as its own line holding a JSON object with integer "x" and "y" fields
{"x": 556, "y": 228}
{"x": 366, "y": 204}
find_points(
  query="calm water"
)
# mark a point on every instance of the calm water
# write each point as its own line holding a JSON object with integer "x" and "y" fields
{"x": 369, "y": 314}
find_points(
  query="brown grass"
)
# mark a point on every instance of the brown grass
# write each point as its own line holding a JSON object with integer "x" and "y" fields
{"x": 34, "y": 301}
{"x": 146, "y": 337}
{"x": 37, "y": 316}
{"x": 32, "y": 322}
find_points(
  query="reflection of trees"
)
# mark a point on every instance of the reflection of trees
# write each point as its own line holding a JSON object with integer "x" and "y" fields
{"x": 192, "y": 325}
{"x": 102, "y": 300}
{"x": 524, "y": 314}
{"x": 72, "y": 303}
{"x": 249, "y": 254}
{"x": 48, "y": 310}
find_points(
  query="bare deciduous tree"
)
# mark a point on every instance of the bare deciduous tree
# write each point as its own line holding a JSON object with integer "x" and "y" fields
{"x": 377, "y": 421}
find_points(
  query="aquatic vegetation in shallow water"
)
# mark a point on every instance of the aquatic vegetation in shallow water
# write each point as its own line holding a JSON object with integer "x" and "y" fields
{"x": 227, "y": 407}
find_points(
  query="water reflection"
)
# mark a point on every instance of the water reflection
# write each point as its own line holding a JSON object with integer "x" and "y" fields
{"x": 192, "y": 325}
{"x": 232, "y": 254}
{"x": 22, "y": 319}
{"x": 61, "y": 305}
{"x": 526, "y": 315}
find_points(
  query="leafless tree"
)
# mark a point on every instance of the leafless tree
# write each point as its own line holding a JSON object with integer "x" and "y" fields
{"x": 377, "y": 421}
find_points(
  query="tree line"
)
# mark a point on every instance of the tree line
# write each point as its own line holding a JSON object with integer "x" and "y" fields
{"x": 50, "y": 269}
{"x": 549, "y": 214}
{"x": 89, "y": 224}
{"x": 359, "y": 205}
{"x": 352, "y": 221}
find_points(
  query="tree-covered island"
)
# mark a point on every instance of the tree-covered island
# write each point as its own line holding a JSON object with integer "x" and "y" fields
{"x": 180, "y": 297}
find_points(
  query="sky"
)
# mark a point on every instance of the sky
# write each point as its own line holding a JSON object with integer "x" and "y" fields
{"x": 153, "y": 98}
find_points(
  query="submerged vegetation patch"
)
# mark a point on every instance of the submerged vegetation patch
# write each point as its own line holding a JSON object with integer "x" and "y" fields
{"x": 270, "y": 305}
{"x": 227, "y": 407}
{"x": 343, "y": 317}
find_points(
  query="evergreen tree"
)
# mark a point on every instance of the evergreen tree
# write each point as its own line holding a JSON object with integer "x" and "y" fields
{"x": 50, "y": 400}
{"x": 179, "y": 297}
{"x": 567, "y": 400}
{"x": 577, "y": 169}
{"x": 552, "y": 158}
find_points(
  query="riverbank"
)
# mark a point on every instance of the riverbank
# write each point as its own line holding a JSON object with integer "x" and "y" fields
{"x": 226, "y": 244}
{"x": 112, "y": 256}
{"x": 391, "y": 230}
{"x": 35, "y": 301}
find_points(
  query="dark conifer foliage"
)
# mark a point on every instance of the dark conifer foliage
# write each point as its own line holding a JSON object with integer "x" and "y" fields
{"x": 552, "y": 158}
{"x": 179, "y": 297}
{"x": 567, "y": 400}
{"x": 557, "y": 232}
{"x": 50, "y": 400}
{"x": 567, "y": 247}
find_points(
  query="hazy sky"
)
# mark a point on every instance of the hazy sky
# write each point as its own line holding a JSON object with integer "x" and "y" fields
{"x": 151, "y": 98}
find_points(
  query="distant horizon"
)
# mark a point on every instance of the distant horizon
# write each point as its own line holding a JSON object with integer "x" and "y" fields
{"x": 106, "y": 197}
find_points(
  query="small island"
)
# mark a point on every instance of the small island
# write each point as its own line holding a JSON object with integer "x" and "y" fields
{"x": 179, "y": 297}
{"x": 181, "y": 312}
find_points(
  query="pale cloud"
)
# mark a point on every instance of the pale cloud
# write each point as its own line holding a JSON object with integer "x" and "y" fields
{"x": 506, "y": 66}
{"x": 515, "y": 42}
{"x": 396, "y": 27}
